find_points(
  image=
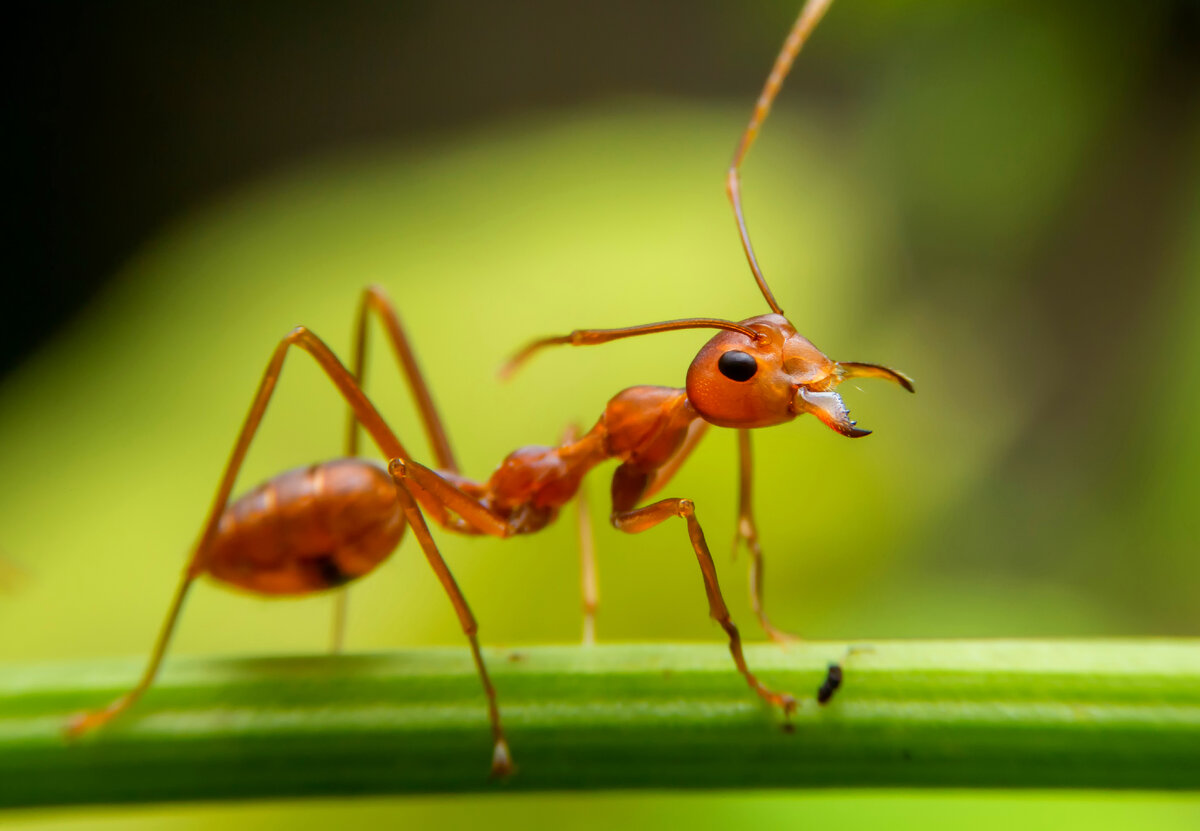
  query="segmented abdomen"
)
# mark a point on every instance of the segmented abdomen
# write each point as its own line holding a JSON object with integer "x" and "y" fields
{"x": 308, "y": 529}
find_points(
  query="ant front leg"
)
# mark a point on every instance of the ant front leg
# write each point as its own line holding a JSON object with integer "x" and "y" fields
{"x": 628, "y": 486}
{"x": 747, "y": 532}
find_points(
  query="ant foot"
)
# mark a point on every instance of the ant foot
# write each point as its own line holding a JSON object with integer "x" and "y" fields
{"x": 81, "y": 723}
{"x": 502, "y": 763}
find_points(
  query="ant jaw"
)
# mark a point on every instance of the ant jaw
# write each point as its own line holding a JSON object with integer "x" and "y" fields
{"x": 829, "y": 407}
{"x": 851, "y": 369}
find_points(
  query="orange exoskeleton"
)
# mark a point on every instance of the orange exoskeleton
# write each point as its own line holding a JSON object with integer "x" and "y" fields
{"x": 321, "y": 527}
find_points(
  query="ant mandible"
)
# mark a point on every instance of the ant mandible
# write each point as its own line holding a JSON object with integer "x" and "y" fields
{"x": 320, "y": 527}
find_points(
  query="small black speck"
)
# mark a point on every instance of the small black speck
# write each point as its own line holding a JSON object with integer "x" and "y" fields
{"x": 833, "y": 680}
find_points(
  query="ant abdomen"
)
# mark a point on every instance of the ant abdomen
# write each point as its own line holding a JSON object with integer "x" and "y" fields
{"x": 308, "y": 530}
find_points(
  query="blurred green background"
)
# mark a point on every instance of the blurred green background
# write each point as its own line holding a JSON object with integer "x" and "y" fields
{"x": 1003, "y": 200}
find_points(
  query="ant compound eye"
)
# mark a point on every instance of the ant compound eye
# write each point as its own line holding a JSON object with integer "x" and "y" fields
{"x": 737, "y": 366}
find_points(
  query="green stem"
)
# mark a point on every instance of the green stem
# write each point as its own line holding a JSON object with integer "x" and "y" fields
{"x": 1123, "y": 714}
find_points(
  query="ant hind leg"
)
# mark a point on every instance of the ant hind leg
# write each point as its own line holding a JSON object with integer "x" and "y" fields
{"x": 501, "y": 757}
{"x": 364, "y": 411}
{"x": 375, "y": 299}
{"x": 391, "y": 447}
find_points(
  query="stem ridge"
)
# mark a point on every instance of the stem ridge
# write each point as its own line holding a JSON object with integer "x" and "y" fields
{"x": 1027, "y": 714}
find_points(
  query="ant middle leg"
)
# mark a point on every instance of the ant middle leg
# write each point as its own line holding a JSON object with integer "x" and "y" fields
{"x": 628, "y": 486}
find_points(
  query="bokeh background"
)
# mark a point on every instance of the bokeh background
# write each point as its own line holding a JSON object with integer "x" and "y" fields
{"x": 1001, "y": 199}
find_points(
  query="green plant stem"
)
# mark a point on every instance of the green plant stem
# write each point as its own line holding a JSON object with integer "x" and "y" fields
{"x": 1123, "y": 714}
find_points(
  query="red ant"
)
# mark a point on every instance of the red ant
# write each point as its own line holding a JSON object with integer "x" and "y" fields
{"x": 322, "y": 526}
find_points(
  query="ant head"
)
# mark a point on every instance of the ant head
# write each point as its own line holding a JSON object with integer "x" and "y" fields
{"x": 736, "y": 381}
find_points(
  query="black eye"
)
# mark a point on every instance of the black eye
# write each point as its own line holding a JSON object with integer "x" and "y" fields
{"x": 737, "y": 366}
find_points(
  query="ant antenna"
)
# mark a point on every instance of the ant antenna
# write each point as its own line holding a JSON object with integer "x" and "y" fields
{"x": 591, "y": 337}
{"x": 810, "y": 15}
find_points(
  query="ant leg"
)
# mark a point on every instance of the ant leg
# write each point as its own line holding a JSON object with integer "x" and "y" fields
{"x": 501, "y": 758}
{"x": 476, "y": 516}
{"x": 195, "y": 566}
{"x": 747, "y": 532}
{"x": 592, "y": 337}
{"x": 587, "y": 552}
{"x": 367, "y": 415}
{"x": 628, "y": 485}
{"x": 341, "y": 610}
{"x": 375, "y": 299}
{"x": 450, "y": 497}
{"x": 587, "y": 568}
{"x": 81, "y": 723}
{"x": 810, "y": 15}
